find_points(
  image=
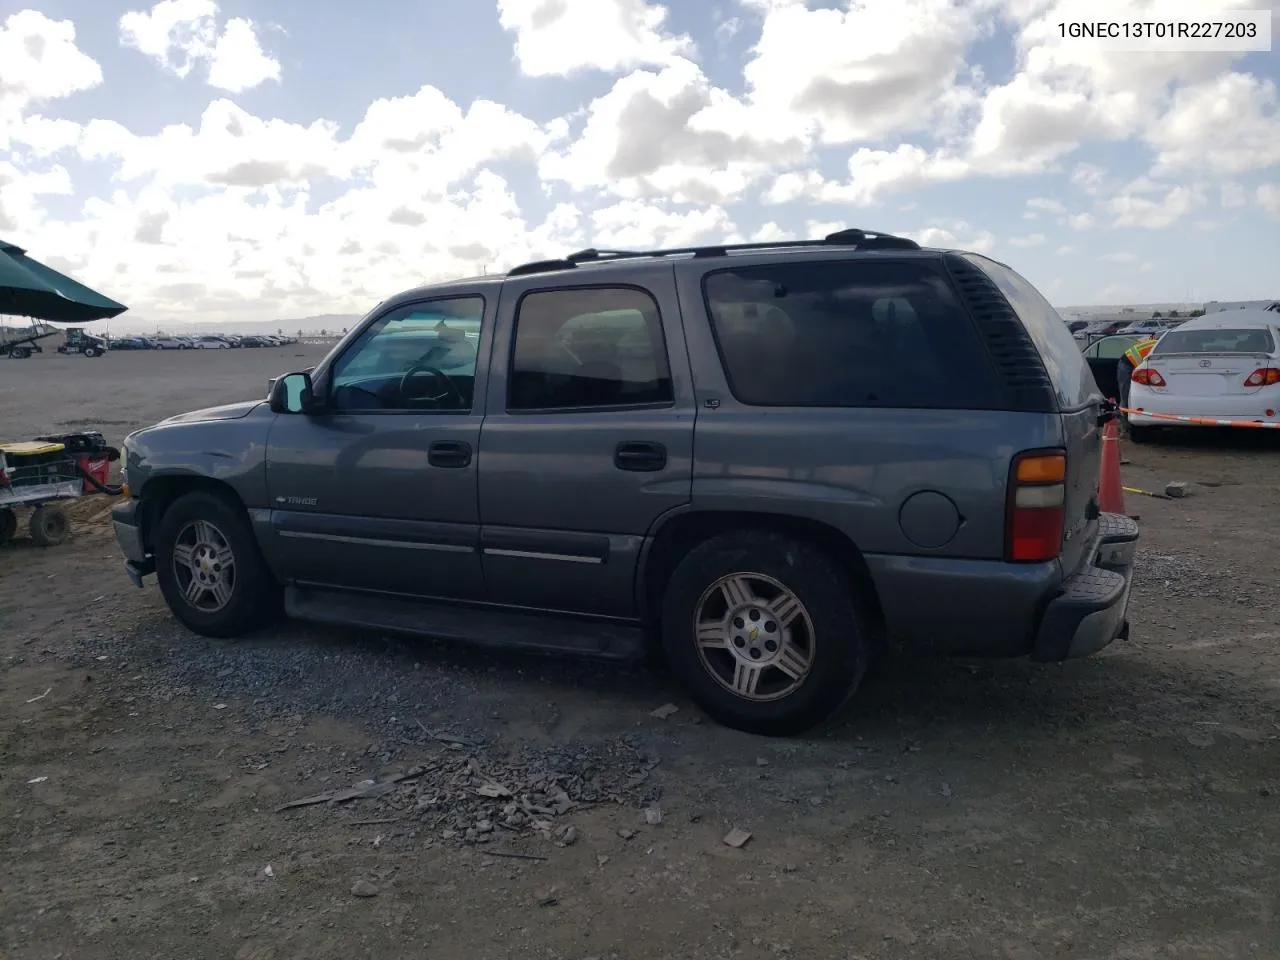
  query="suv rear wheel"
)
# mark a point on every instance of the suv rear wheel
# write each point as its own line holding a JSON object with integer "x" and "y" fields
{"x": 764, "y": 631}
{"x": 210, "y": 569}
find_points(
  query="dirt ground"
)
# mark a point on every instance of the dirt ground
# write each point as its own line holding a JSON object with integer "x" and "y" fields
{"x": 1125, "y": 806}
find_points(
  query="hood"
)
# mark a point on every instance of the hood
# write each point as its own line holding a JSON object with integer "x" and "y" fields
{"x": 229, "y": 411}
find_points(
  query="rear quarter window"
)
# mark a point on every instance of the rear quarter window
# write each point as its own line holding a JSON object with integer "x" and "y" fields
{"x": 870, "y": 332}
{"x": 1067, "y": 368}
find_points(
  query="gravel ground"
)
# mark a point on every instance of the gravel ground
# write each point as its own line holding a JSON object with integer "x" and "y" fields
{"x": 481, "y": 805}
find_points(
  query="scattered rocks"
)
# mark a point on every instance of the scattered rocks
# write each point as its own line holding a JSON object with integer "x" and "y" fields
{"x": 467, "y": 798}
{"x": 363, "y": 888}
{"x": 626, "y": 834}
{"x": 568, "y": 836}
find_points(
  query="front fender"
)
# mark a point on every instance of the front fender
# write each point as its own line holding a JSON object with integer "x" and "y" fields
{"x": 228, "y": 451}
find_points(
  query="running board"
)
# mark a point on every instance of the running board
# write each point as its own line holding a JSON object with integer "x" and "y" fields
{"x": 486, "y": 627}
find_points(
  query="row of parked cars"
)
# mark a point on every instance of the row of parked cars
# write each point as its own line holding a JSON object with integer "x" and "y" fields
{"x": 1088, "y": 330}
{"x": 223, "y": 341}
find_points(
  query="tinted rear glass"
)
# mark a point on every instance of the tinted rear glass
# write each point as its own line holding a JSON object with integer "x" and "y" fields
{"x": 1254, "y": 340}
{"x": 1059, "y": 351}
{"x": 859, "y": 333}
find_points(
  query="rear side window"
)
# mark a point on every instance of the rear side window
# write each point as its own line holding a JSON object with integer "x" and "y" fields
{"x": 588, "y": 347}
{"x": 1248, "y": 340}
{"x": 856, "y": 333}
{"x": 1059, "y": 351}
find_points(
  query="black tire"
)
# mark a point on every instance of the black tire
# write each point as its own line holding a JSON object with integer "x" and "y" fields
{"x": 8, "y": 525}
{"x": 839, "y": 649}
{"x": 254, "y": 594}
{"x": 49, "y": 526}
{"x": 19, "y": 353}
{"x": 1142, "y": 434}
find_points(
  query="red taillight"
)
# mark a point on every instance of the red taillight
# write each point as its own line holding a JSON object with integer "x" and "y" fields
{"x": 1263, "y": 377}
{"x": 1037, "y": 506}
{"x": 1148, "y": 377}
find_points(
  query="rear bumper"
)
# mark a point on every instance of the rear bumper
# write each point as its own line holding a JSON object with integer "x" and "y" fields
{"x": 1091, "y": 611}
{"x": 1239, "y": 408}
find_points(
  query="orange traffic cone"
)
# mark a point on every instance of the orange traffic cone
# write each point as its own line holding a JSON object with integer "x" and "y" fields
{"x": 1110, "y": 487}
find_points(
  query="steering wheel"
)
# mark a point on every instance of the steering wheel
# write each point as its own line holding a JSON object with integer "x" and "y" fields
{"x": 444, "y": 387}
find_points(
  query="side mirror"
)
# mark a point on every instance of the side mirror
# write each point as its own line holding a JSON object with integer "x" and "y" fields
{"x": 292, "y": 393}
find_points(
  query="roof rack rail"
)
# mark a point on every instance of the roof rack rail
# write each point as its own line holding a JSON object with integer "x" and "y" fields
{"x": 541, "y": 266}
{"x": 851, "y": 237}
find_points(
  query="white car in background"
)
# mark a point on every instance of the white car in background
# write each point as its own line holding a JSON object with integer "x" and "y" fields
{"x": 1221, "y": 367}
{"x": 170, "y": 343}
{"x": 212, "y": 343}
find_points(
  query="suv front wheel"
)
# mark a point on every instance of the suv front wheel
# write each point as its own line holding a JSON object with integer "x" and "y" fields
{"x": 764, "y": 631}
{"x": 210, "y": 569}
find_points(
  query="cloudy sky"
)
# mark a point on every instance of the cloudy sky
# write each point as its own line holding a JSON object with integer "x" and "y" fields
{"x": 256, "y": 159}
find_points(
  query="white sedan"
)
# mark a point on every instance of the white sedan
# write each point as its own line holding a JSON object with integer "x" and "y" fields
{"x": 1218, "y": 369}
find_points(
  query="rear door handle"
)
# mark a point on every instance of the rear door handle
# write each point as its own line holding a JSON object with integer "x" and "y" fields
{"x": 449, "y": 453}
{"x": 640, "y": 456}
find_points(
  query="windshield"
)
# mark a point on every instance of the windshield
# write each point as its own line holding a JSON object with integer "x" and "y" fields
{"x": 1255, "y": 340}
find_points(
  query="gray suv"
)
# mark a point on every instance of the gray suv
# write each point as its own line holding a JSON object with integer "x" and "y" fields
{"x": 763, "y": 462}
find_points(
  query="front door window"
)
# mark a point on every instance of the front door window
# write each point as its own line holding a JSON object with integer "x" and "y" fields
{"x": 418, "y": 357}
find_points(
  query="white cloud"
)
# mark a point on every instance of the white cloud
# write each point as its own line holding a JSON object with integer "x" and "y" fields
{"x": 670, "y": 134}
{"x": 1031, "y": 240}
{"x": 175, "y": 33}
{"x": 1067, "y": 90}
{"x": 1228, "y": 125}
{"x": 238, "y": 61}
{"x": 1088, "y": 177}
{"x": 562, "y": 37}
{"x": 20, "y": 193}
{"x": 1269, "y": 199}
{"x": 632, "y": 224}
{"x": 1134, "y": 209}
{"x": 1038, "y": 205}
{"x": 39, "y": 62}
{"x": 865, "y": 72}
{"x": 954, "y": 236}
{"x": 1233, "y": 195}
{"x": 179, "y": 34}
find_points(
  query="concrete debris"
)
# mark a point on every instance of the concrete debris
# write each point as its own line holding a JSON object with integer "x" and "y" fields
{"x": 626, "y": 834}
{"x": 737, "y": 838}
{"x": 653, "y": 816}
{"x": 474, "y": 798}
{"x": 1177, "y": 489}
{"x": 664, "y": 711}
{"x": 363, "y": 888}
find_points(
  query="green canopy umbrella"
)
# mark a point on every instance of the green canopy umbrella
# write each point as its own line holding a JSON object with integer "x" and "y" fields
{"x": 30, "y": 289}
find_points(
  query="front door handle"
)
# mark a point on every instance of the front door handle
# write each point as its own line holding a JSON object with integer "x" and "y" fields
{"x": 640, "y": 456}
{"x": 449, "y": 453}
